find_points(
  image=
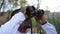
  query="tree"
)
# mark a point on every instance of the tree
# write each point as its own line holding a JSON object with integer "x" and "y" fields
{"x": 14, "y": 3}
{"x": 1, "y": 4}
{"x": 22, "y": 3}
{"x": 38, "y": 5}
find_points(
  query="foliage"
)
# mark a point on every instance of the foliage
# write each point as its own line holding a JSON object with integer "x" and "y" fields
{"x": 56, "y": 23}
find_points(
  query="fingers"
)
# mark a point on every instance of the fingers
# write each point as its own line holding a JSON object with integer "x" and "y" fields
{"x": 40, "y": 20}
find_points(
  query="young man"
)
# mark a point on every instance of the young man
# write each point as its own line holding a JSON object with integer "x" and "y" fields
{"x": 11, "y": 27}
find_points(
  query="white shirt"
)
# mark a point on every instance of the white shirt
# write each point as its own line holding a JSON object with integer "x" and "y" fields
{"x": 11, "y": 27}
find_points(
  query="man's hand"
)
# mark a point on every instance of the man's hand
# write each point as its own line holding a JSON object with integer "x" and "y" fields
{"x": 24, "y": 26}
{"x": 41, "y": 20}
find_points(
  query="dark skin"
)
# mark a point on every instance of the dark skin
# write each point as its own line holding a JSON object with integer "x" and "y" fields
{"x": 41, "y": 20}
{"x": 24, "y": 26}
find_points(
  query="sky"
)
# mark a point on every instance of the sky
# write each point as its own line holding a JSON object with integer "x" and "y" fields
{"x": 53, "y": 5}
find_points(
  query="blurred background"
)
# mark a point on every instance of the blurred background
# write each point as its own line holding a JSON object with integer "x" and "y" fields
{"x": 51, "y": 7}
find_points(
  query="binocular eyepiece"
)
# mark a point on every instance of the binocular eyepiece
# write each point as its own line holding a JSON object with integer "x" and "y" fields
{"x": 32, "y": 11}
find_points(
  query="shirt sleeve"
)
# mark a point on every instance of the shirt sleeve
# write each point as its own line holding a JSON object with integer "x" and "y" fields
{"x": 49, "y": 28}
{"x": 12, "y": 24}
